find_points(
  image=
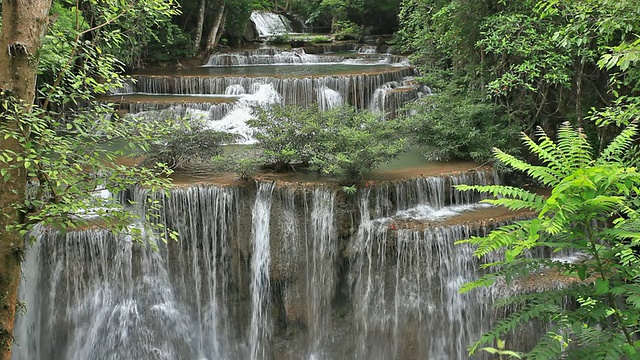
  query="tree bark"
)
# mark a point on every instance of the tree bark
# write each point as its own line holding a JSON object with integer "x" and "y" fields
{"x": 200, "y": 25}
{"x": 24, "y": 23}
{"x": 217, "y": 27}
{"x": 222, "y": 25}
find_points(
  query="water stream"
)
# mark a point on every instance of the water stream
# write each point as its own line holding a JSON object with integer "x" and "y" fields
{"x": 267, "y": 270}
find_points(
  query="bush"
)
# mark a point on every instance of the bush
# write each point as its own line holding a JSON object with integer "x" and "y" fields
{"x": 243, "y": 161}
{"x": 354, "y": 142}
{"x": 320, "y": 39}
{"x": 279, "y": 39}
{"x": 347, "y": 30}
{"x": 342, "y": 142}
{"x": 169, "y": 43}
{"x": 460, "y": 127}
{"x": 186, "y": 146}
{"x": 286, "y": 135}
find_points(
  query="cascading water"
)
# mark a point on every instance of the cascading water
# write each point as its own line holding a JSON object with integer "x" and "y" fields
{"x": 356, "y": 89}
{"x": 328, "y": 98}
{"x": 260, "y": 323}
{"x": 270, "y": 56}
{"x": 321, "y": 254}
{"x": 235, "y": 122}
{"x": 405, "y": 281}
{"x": 315, "y": 276}
{"x": 101, "y": 296}
{"x": 268, "y": 24}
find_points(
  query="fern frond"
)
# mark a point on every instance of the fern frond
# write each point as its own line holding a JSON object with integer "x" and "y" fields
{"x": 546, "y": 150}
{"x": 521, "y": 198}
{"x": 512, "y": 322}
{"x": 574, "y": 148}
{"x": 541, "y": 173}
{"x": 517, "y": 204}
{"x": 549, "y": 347}
{"x": 593, "y": 343}
{"x": 484, "y": 281}
{"x": 617, "y": 148}
{"x": 501, "y": 238}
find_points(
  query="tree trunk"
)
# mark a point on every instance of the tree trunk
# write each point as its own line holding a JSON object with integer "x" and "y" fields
{"x": 221, "y": 29}
{"x": 23, "y": 25}
{"x": 217, "y": 27}
{"x": 200, "y": 25}
{"x": 334, "y": 20}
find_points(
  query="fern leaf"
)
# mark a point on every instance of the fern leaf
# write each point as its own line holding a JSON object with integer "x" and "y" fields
{"x": 574, "y": 147}
{"x": 546, "y": 151}
{"x": 619, "y": 145}
{"x": 543, "y": 174}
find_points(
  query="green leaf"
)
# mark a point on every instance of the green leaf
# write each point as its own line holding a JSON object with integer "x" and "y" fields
{"x": 602, "y": 286}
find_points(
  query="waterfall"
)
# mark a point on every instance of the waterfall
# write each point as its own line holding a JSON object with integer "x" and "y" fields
{"x": 321, "y": 254}
{"x": 103, "y": 296}
{"x": 270, "y": 56}
{"x": 235, "y": 122}
{"x": 268, "y": 24}
{"x": 367, "y": 49}
{"x": 356, "y": 89}
{"x": 286, "y": 271}
{"x": 235, "y": 89}
{"x": 260, "y": 326}
{"x": 405, "y": 290}
{"x": 112, "y": 303}
{"x": 328, "y": 98}
{"x": 203, "y": 111}
{"x": 389, "y": 98}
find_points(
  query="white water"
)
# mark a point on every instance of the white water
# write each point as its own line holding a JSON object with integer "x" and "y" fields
{"x": 428, "y": 213}
{"x": 259, "y": 330}
{"x": 270, "y": 56}
{"x": 321, "y": 254}
{"x": 92, "y": 295}
{"x": 260, "y": 275}
{"x": 235, "y": 122}
{"x": 269, "y": 24}
{"x": 405, "y": 292}
{"x": 329, "y": 98}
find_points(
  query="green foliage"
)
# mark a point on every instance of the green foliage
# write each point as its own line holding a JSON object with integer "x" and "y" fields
{"x": 245, "y": 162}
{"x": 592, "y": 209}
{"x": 545, "y": 61}
{"x": 68, "y": 145}
{"x": 169, "y": 44}
{"x": 451, "y": 126}
{"x": 350, "y": 190}
{"x": 68, "y": 163}
{"x": 58, "y": 42}
{"x": 352, "y": 142}
{"x": 126, "y": 31}
{"x": 501, "y": 351}
{"x": 186, "y": 146}
{"x": 347, "y": 30}
{"x": 320, "y": 39}
{"x": 279, "y": 39}
{"x": 286, "y": 135}
{"x": 342, "y": 142}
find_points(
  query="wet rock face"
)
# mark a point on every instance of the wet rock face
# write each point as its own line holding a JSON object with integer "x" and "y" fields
{"x": 367, "y": 276}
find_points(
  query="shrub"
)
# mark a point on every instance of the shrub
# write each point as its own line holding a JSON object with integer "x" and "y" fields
{"x": 185, "y": 146}
{"x": 320, "y": 39}
{"x": 279, "y": 39}
{"x": 347, "y": 30}
{"x": 593, "y": 211}
{"x": 286, "y": 135}
{"x": 354, "y": 142}
{"x": 342, "y": 142}
{"x": 454, "y": 127}
{"x": 244, "y": 161}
